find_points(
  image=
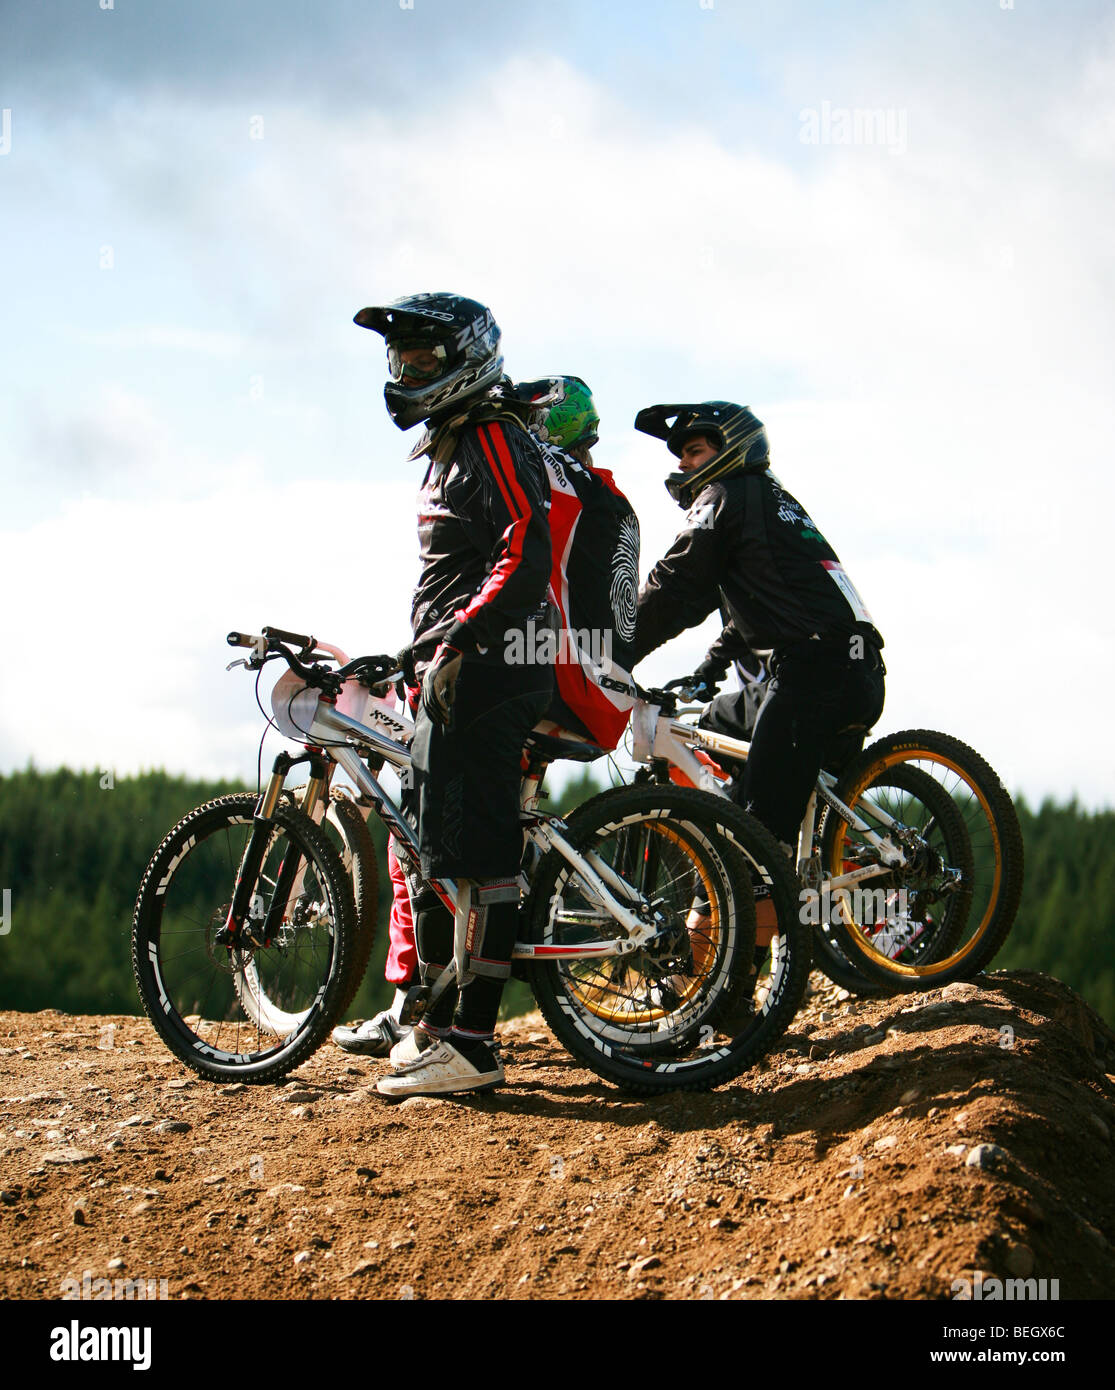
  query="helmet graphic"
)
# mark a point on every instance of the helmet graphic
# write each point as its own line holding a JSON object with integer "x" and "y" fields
{"x": 441, "y": 348}
{"x": 564, "y": 414}
{"x": 739, "y": 436}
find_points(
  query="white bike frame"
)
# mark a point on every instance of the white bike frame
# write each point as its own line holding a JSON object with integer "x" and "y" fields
{"x": 673, "y": 739}
{"x": 343, "y": 739}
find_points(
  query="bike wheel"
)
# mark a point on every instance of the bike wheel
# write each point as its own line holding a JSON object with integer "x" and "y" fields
{"x": 931, "y": 924}
{"x": 705, "y": 1001}
{"x": 194, "y": 988}
{"x": 970, "y": 882}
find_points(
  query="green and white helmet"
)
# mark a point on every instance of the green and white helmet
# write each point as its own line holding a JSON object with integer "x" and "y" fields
{"x": 564, "y": 412}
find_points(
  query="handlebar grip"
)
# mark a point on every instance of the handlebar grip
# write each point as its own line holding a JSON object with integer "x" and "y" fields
{"x": 240, "y": 639}
{"x": 278, "y": 634}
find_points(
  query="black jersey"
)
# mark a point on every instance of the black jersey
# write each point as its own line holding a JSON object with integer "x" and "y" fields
{"x": 750, "y": 548}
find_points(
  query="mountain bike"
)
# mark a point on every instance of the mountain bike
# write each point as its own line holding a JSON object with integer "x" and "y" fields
{"x": 911, "y": 861}
{"x": 638, "y": 911}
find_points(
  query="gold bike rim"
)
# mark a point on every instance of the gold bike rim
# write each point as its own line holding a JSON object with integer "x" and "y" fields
{"x": 598, "y": 1000}
{"x": 836, "y": 860}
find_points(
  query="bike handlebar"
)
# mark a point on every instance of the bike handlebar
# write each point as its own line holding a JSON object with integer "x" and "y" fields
{"x": 370, "y": 670}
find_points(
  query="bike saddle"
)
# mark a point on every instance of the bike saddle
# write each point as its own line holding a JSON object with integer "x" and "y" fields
{"x": 549, "y": 748}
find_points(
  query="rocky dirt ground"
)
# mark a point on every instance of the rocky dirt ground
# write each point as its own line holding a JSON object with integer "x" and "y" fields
{"x": 887, "y": 1149}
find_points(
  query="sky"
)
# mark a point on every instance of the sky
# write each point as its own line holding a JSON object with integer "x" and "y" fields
{"x": 884, "y": 227}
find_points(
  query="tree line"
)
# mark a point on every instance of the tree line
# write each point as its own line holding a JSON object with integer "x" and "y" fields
{"x": 74, "y": 845}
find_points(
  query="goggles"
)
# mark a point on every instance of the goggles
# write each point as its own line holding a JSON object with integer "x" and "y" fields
{"x": 428, "y": 360}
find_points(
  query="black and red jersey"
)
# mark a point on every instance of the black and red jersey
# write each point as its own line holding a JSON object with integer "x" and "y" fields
{"x": 484, "y": 542}
{"x": 595, "y": 584}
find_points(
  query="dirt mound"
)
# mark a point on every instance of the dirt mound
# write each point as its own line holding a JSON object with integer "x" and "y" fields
{"x": 888, "y": 1149}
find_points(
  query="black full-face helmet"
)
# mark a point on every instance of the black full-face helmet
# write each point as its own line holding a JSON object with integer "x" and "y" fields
{"x": 461, "y": 334}
{"x": 740, "y": 439}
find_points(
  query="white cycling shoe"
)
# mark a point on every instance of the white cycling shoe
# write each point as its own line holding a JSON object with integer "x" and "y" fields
{"x": 409, "y": 1048}
{"x": 440, "y": 1070}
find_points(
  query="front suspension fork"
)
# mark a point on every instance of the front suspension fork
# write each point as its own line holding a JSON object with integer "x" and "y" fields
{"x": 244, "y": 908}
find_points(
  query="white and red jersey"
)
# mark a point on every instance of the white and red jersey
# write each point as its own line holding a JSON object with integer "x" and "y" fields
{"x": 594, "y": 584}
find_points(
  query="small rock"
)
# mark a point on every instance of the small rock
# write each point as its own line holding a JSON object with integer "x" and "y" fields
{"x": 875, "y": 1037}
{"x": 70, "y": 1156}
{"x": 403, "y": 1242}
{"x": 116, "y": 1263}
{"x": 1020, "y": 1261}
{"x": 362, "y": 1267}
{"x": 303, "y": 1112}
{"x": 133, "y": 1120}
{"x": 802, "y": 1069}
{"x": 826, "y": 1017}
{"x": 957, "y": 1150}
{"x": 843, "y": 995}
{"x": 178, "y": 1085}
{"x": 422, "y": 1103}
{"x": 538, "y": 1037}
{"x": 640, "y": 1266}
{"x": 889, "y": 1141}
{"x": 961, "y": 1120}
{"x": 301, "y": 1257}
{"x": 213, "y": 1179}
{"x": 234, "y": 1089}
{"x": 817, "y": 1054}
{"x": 986, "y": 1156}
{"x": 174, "y": 1127}
{"x": 959, "y": 989}
{"x": 933, "y": 1112}
{"x": 299, "y": 1096}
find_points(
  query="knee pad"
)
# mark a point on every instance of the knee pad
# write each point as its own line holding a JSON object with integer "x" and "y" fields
{"x": 492, "y": 909}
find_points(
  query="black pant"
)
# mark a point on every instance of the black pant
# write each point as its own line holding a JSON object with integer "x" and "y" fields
{"x": 467, "y": 775}
{"x": 821, "y": 703}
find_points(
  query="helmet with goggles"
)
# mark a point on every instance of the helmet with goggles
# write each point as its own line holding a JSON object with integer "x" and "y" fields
{"x": 739, "y": 437}
{"x": 563, "y": 411}
{"x": 441, "y": 348}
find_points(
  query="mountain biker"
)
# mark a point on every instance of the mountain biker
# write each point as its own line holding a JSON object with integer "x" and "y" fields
{"x": 485, "y": 569}
{"x": 594, "y": 584}
{"x": 594, "y": 581}
{"x": 750, "y": 547}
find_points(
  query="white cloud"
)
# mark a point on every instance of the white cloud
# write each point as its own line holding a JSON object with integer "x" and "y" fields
{"x": 937, "y": 321}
